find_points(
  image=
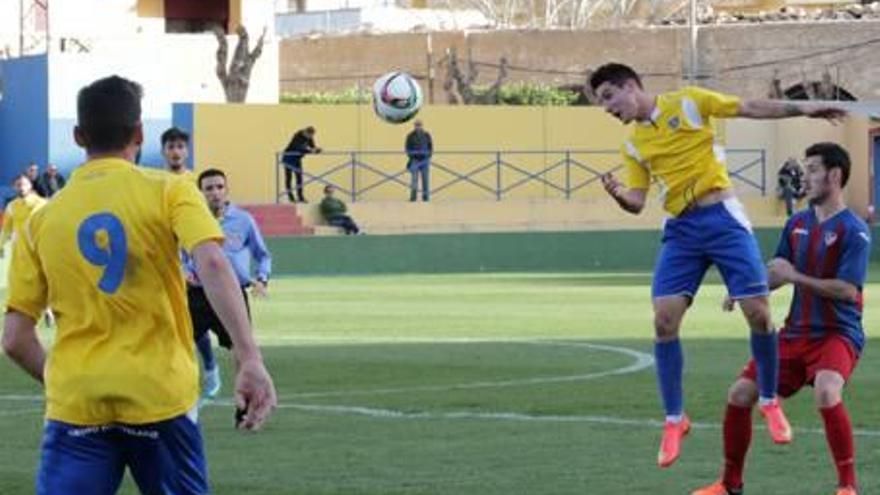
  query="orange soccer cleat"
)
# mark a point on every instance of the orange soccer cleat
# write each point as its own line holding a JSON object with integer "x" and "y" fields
{"x": 777, "y": 424}
{"x": 670, "y": 445}
{"x": 717, "y": 488}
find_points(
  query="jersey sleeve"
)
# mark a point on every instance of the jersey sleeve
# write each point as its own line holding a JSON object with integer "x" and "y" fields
{"x": 714, "y": 104}
{"x": 191, "y": 220}
{"x": 28, "y": 292}
{"x": 637, "y": 175}
{"x": 853, "y": 266}
{"x": 783, "y": 249}
{"x": 6, "y": 232}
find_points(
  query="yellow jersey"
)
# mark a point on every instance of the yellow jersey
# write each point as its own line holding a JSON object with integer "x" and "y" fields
{"x": 677, "y": 149}
{"x": 103, "y": 254}
{"x": 17, "y": 212}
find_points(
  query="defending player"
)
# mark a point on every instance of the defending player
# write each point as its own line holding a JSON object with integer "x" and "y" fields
{"x": 19, "y": 210}
{"x": 823, "y": 252}
{"x": 673, "y": 144}
{"x": 121, "y": 379}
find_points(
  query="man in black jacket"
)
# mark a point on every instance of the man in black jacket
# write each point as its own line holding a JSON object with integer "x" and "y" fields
{"x": 419, "y": 148}
{"x": 50, "y": 182}
{"x": 302, "y": 143}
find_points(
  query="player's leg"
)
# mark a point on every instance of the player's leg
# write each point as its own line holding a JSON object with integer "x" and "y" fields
{"x": 737, "y": 435}
{"x": 734, "y": 250}
{"x": 168, "y": 457}
{"x": 298, "y": 171}
{"x": 830, "y": 372}
{"x": 677, "y": 275}
{"x": 413, "y": 181}
{"x": 77, "y": 460}
{"x": 202, "y": 316}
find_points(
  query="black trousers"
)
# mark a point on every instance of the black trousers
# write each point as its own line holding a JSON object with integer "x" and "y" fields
{"x": 204, "y": 318}
{"x": 346, "y": 222}
{"x": 289, "y": 171}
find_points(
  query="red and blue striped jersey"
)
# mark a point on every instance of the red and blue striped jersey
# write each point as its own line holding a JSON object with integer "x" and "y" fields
{"x": 837, "y": 248}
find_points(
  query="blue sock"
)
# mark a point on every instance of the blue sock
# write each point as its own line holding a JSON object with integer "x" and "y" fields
{"x": 204, "y": 347}
{"x": 670, "y": 367}
{"x": 765, "y": 350}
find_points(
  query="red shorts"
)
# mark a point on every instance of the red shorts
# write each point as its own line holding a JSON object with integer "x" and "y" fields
{"x": 801, "y": 359}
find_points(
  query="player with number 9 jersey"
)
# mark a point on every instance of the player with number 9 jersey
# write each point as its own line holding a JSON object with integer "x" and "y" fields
{"x": 104, "y": 256}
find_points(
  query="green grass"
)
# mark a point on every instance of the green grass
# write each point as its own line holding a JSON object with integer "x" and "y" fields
{"x": 389, "y": 385}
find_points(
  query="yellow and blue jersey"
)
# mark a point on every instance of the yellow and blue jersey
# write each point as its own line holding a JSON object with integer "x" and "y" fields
{"x": 103, "y": 254}
{"x": 677, "y": 147}
{"x": 17, "y": 212}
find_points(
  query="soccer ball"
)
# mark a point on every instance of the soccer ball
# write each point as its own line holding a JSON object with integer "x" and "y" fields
{"x": 397, "y": 97}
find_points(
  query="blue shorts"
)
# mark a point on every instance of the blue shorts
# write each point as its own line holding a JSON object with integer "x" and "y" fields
{"x": 718, "y": 234}
{"x": 165, "y": 458}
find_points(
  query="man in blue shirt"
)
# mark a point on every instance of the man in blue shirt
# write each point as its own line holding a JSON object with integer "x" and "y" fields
{"x": 243, "y": 244}
{"x": 824, "y": 253}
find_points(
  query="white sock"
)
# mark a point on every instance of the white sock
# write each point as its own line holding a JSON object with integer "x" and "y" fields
{"x": 763, "y": 401}
{"x": 674, "y": 418}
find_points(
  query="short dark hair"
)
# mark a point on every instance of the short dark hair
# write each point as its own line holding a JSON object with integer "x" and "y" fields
{"x": 21, "y": 176}
{"x": 174, "y": 134}
{"x": 108, "y": 113}
{"x": 833, "y": 156}
{"x": 310, "y": 130}
{"x": 329, "y": 187}
{"x": 211, "y": 172}
{"x": 616, "y": 74}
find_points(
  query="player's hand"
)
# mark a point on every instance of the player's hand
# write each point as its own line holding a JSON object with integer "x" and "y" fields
{"x": 254, "y": 393}
{"x": 817, "y": 111}
{"x": 782, "y": 269}
{"x": 728, "y": 304}
{"x": 259, "y": 289}
{"x": 612, "y": 186}
{"x": 318, "y": 150}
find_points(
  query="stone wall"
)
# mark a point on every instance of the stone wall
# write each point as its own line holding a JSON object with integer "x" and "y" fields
{"x": 740, "y": 58}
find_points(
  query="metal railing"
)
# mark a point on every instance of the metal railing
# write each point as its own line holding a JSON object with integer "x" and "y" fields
{"x": 496, "y": 174}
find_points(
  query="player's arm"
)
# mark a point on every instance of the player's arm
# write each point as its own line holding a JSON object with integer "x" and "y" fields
{"x": 632, "y": 195}
{"x": 255, "y": 391}
{"x": 782, "y": 271}
{"x": 21, "y": 344}
{"x": 630, "y": 199}
{"x": 6, "y": 232}
{"x": 28, "y": 294}
{"x": 778, "y": 109}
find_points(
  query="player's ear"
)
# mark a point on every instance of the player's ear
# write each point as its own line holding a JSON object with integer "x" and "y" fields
{"x": 79, "y": 137}
{"x": 138, "y": 137}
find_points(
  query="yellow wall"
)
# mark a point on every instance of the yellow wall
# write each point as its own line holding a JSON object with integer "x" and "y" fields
{"x": 243, "y": 140}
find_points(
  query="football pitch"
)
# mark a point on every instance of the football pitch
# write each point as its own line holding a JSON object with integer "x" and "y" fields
{"x": 485, "y": 384}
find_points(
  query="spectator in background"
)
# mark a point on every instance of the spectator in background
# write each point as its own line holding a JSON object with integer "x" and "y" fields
{"x": 32, "y": 172}
{"x": 790, "y": 187}
{"x": 419, "y": 148}
{"x": 333, "y": 210}
{"x": 302, "y": 143}
{"x": 50, "y": 182}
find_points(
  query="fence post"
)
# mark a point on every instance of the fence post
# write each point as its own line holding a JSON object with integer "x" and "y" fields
{"x": 353, "y": 176}
{"x": 498, "y": 176}
{"x": 567, "y": 174}
{"x": 763, "y": 172}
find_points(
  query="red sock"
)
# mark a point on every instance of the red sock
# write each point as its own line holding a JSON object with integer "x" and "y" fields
{"x": 737, "y": 437}
{"x": 838, "y": 431}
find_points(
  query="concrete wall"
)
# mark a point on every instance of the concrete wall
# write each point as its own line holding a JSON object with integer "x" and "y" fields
{"x": 244, "y": 140}
{"x": 737, "y": 58}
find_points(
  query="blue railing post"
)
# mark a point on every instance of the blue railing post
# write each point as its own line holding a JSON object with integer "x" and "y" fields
{"x": 498, "y": 175}
{"x": 567, "y": 174}
{"x": 353, "y": 176}
{"x": 763, "y": 172}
